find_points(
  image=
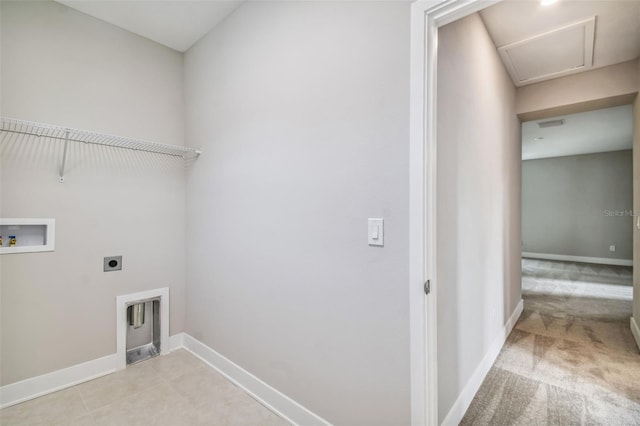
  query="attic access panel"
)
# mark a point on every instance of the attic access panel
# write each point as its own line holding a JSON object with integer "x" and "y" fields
{"x": 563, "y": 51}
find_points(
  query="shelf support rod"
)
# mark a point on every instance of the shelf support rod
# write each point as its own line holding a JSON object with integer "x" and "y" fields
{"x": 64, "y": 156}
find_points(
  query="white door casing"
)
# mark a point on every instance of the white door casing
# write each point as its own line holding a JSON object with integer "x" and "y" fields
{"x": 426, "y": 17}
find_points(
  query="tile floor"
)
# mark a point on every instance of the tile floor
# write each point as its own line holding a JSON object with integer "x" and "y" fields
{"x": 174, "y": 390}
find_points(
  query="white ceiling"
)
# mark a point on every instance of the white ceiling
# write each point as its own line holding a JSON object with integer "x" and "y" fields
{"x": 617, "y": 31}
{"x": 603, "y": 130}
{"x": 177, "y": 24}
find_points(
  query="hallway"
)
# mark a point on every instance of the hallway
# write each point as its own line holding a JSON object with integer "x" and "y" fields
{"x": 571, "y": 358}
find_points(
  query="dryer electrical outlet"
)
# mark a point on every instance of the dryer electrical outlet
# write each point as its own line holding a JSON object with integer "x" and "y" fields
{"x": 112, "y": 263}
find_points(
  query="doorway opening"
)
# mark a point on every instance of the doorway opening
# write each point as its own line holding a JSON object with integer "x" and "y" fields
{"x": 577, "y": 204}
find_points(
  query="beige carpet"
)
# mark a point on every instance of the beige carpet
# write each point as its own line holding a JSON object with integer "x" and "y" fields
{"x": 571, "y": 358}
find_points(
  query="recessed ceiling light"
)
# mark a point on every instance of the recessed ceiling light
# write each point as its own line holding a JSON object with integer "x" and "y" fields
{"x": 547, "y": 2}
{"x": 539, "y": 138}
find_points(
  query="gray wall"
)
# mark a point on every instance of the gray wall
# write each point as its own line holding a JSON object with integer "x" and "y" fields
{"x": 569, "y": 205}
{"x": 63, "y": 67}
{"x": 478, "y": 203}
{"x": 636, "y": 206}
{"x": 302, "y": 110}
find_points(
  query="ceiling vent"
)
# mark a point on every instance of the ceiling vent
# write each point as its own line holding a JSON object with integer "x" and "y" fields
{"x": 563, "y": 51}
{"x": 551, "y": 123}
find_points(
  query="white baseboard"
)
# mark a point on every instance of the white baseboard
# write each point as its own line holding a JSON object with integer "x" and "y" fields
{"x": 584, "y": 259}
{"x": 459, "y": 408}
{"x": 34, "y": 387}
{"x": 176, "y": 342}
{"x": 635, "y": 331}
{"x": 275, "y": 400}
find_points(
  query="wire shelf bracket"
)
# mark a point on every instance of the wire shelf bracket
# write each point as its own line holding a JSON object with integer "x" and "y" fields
{"x": 64, "y": 156}
{"x": 67, "y": 134}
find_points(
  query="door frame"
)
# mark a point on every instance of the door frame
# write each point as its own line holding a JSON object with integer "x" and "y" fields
{"x": 426, "y": 17}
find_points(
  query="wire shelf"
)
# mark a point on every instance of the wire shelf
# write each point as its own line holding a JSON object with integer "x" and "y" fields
{"x": 67, "y": 134}
{"x": 50, "y": 131}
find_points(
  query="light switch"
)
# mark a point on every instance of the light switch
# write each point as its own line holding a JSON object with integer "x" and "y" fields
{"x": 376, "y": 232}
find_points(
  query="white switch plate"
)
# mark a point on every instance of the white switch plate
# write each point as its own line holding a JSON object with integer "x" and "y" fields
{"x": 612, "y": 248}
{"x": 376, "y": 232}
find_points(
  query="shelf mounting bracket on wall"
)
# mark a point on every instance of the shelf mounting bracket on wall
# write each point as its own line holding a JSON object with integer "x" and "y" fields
{"x": 64, "y": 156}
{"x": 67, "y": 134}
